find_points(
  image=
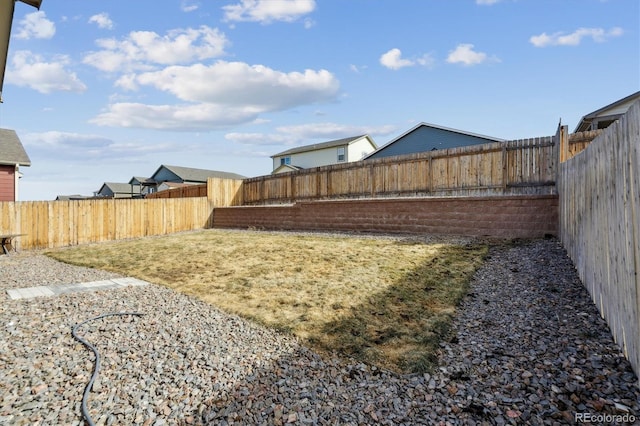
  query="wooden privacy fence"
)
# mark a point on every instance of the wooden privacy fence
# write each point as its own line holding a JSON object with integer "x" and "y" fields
{"x": 519, "y": 167}
{"x": 48, "y": 224}
{"x": 599, "y": 192}
{"x": 182, "y": 192}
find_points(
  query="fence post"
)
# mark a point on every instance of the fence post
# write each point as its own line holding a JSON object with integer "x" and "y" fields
{"x": 293, "y": 188}
{"x": 505, "y": 167}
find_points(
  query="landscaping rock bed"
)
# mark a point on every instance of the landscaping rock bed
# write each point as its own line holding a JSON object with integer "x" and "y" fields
{"x": 528, "y": 347}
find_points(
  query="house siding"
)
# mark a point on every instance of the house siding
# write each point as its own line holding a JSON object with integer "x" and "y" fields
{"x": 166, "y": 175}
{"x": 426, "y": 139}
{"x": 321, "y": 157}
{"x": 7, "y": 183}
{"x": 359, "y": 149}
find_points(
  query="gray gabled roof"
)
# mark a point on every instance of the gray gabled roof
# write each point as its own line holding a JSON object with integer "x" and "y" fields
{"x": 139, "y": 179}
{"x": 121, "y": 188}
{"x": 11, "y": 149}
{"x": 323, "y": 145}
{"x": 288, "y": 167}
{"x": 189, "y": 174}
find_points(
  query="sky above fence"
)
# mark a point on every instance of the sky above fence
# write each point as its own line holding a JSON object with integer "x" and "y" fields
{"x": 103, "y": 91}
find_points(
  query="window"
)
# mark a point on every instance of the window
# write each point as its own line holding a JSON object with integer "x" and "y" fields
{"x": 285, "y": 160}
{"x": 341, "y": 155}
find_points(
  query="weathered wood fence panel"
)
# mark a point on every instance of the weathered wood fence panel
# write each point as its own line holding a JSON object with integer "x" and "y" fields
{"x": 224, "y": 192}
{"x": 599, "y": 192}
{"x": 182, "y": 192}
{"x": 525, "y": 166}
{"x": 48, "y": 224}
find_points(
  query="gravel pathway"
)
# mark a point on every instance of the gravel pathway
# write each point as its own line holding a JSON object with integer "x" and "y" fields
{"x": 529, "y": 348}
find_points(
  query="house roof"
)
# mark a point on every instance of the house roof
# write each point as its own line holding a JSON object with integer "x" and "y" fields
{"x": 196, "y": 175}
{"x": 120, "y": 188}
{"x": 616, "y": 108}
{"x": 141, "y": 180}
{"x": 434, "y": 126}
{"x": 11, "y": 149}
{"x": 72, "y": 197}
{"x": 286, "y": 168}
{"x": 324, "y": 145}
{"x": 171, "y": 185}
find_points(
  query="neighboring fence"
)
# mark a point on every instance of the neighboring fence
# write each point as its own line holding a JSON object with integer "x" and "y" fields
{"x": 526, "y": 166}
{"x": 48, "y": 224}
{"x": 578, "y": 142}
{"x": 599, "y": 193}
{"x": 182, "y": 192}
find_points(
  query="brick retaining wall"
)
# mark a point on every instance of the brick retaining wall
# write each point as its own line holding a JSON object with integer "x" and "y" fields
{"x": 503, "y": 217}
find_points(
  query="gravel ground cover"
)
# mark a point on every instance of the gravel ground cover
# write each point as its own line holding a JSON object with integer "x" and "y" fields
{"x": 527, "y": 347}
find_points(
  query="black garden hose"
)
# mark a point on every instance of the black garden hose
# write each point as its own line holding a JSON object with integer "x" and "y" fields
{"x": 87, "y": 389}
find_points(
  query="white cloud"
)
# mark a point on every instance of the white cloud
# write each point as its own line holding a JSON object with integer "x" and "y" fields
{"x": 102, "y": 20}
{"x": 217, "y": 95}
{"x": 173, "y": 117}
{"x": 142, "y": 50}
{"x": 79, "y": 146}
{"x": 426, "y": 61}
{"x": 393, "y": 60}
{"x": 267, "y": 11}
{"x": 240, "y": 84}
{"x": 487, "y": 2}
{"x": 35, "y": 25}
{"x": 598, "y": 35}
{"x": 302, "y": 134}
{"x": 187, "y": 6}
{"x": 30, "y": 70}
{"x": 464, "y": 54}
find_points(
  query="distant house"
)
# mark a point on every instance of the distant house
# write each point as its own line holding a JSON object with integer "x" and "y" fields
{"x": 187, "y": 175}
{"x": 118, "y": 190}
{"x": 322, "y": 154}
{"x": 12, "y": 156}
{"x": 605, "y": 116}
{"x": 147, "y": 185}
{"x": 429, "y": 137}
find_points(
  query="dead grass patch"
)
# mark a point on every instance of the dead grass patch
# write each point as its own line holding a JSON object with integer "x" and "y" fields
{"x": 379, "y": 300}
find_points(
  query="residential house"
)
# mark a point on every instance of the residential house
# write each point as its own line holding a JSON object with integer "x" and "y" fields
{"x": 186, "y": 175}
{"x": 429, "y": 137}
{"x": 12, "y": 156}
{"x": 146, "y": 185}
{"x": 605, "y": 116}
{"x": 118, "y": 190}
{"x": 322, "y": 154}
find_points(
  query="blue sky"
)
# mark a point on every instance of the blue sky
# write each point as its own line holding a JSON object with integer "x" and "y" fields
{"x": 100, "y": 91}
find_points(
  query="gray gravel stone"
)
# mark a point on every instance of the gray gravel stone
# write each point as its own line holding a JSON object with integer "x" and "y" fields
{"x": 528, "y": 347}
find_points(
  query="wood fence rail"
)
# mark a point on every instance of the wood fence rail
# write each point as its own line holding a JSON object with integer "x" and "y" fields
{"x": 599, "y": 192}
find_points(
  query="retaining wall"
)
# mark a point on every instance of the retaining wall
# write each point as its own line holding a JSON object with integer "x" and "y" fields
{"x": 502, "y": 217}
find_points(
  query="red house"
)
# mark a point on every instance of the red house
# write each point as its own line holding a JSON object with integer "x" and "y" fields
{"x": 12, "y": 156}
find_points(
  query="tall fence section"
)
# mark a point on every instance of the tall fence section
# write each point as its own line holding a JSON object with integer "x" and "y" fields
{"x": 600, "y": 226}
{"x": 49, "y": 224}
{"x": 519, "y": 167}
